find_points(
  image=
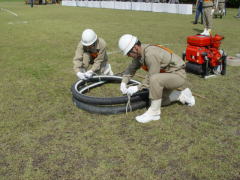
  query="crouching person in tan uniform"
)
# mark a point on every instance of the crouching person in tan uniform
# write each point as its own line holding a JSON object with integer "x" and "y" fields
{"x": 166, "y": 72}
{"x": 91, "y": 56}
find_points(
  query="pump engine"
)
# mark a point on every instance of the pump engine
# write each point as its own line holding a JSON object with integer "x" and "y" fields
{"x": 204, "y": 56}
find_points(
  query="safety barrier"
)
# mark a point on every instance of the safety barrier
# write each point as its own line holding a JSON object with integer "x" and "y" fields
{"x": 136, "y": 6}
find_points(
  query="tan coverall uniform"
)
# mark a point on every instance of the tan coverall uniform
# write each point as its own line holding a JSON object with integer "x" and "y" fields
{"x": 221, "y": 6}
{"x": 207, "y": 16}
{"x": 160, "y": 84}
{"x": 95, "y": 57}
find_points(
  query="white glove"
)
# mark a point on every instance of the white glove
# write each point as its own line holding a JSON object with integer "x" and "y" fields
{"x": 123, "y": 88}
{"x": 81, "y": 76}
{"x": 88, "y": 74}
{"x": 212, "y": 11}
{"x": 131, "y": 90}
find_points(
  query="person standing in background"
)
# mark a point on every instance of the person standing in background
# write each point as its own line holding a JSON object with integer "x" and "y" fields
{"x": 238, "y": 15}
{"x": 209, "y": 7}
{"x": 31, "y": 2}
{"x": 199, "y": 11}
{"x": 221, "y": 8}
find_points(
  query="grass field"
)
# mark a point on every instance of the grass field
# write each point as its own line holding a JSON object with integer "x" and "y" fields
{"x": 43, "y": 136}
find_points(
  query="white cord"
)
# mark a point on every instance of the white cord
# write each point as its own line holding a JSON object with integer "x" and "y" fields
{"x": 129, "y": 104}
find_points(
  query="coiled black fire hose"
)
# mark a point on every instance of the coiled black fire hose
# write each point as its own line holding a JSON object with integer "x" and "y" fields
{"x": 111, "y": 105}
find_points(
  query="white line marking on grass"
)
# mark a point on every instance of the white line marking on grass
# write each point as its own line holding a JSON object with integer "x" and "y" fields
{"x": 19, "y": 22}
{"x": 6, "y": 10}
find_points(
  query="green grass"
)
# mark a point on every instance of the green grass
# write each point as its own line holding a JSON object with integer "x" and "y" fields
{"x": 44, "y": 136}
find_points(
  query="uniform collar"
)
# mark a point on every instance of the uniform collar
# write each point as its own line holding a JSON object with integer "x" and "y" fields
{"x": 97, "y": 44}
{"x": 143, "y": 48}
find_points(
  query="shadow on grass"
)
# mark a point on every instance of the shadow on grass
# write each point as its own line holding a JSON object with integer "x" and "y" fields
{"x": 197, "y": 30}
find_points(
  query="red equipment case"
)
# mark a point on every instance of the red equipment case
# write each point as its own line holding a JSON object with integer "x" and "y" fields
{"x": 199, "y": 40}
{"x": 203, "y": 54}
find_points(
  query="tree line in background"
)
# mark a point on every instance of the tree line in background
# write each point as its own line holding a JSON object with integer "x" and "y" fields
{"x": 233, "y": 3}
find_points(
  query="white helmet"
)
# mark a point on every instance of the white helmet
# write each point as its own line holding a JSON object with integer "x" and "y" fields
{"x": 88, "y": 37}
{"x": 126, "y": 43}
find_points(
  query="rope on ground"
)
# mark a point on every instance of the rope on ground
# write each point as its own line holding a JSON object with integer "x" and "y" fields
{"x": 128, "y": 104}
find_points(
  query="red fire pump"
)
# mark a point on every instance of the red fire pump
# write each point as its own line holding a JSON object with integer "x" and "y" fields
{"x": 204, "y": 55}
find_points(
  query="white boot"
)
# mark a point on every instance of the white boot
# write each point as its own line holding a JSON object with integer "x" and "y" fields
{"x": 186, "y": 97}
{"x": 208, "y": 32}
{"x": 204, "y": 32}
{"x": 153, "y": 112}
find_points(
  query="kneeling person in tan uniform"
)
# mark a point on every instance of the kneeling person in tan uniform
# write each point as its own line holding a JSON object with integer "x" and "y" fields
{"x": 91, "y": 56}
{"x": 166, "y": 72}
